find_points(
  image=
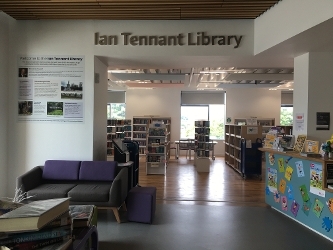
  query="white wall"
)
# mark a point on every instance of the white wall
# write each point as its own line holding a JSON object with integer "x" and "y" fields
{"x": 289, "y": 18}
{"x": 247, "y": 102}
{"x": 100, "y": 101}
{"x": 4, "y": 48}
{"x": 31, "y": 143}
{"x": 313, "y": 92}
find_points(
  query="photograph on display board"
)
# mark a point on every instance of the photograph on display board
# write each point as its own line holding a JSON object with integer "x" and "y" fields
{"x": 25, "y": 108}
{"x": 55, "y": 108}
{"x": 23, "y": 72}
{"x": 71, "y": 89}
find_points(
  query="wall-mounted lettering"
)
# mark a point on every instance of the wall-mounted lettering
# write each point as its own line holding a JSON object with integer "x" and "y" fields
{"x": 190, "y": 39}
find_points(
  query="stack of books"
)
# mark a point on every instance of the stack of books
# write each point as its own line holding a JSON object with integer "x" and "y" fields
{"x": 44, "y": 224}
{"x": 83, "y": 216}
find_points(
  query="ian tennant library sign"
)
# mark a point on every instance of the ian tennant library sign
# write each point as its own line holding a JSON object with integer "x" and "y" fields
{"x": 190, "y": 39}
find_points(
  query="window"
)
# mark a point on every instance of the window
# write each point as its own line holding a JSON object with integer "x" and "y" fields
{"x": 116, "y": 110}
{"x": 215, "y": 113}
{"x": 286, "y": 115}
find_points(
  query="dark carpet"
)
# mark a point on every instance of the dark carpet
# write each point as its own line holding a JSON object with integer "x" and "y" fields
{"x": 196, "y": 227}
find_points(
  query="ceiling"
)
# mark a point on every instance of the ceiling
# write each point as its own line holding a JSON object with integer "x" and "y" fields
{"x": 135, "y": 9}
{"x": 201, "y": 74}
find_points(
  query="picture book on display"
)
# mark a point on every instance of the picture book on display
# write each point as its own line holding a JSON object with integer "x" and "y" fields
{"x": 33, "y": 216}
{"x": 299, "y": 144}
{"x": 82, "y": 215}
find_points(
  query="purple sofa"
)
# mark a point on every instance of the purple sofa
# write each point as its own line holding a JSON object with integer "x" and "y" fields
{"x": 100, "y": 183}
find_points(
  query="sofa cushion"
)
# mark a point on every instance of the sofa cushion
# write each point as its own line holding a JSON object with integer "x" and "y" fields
{"x": 61, "y": 170}
{"x": 98, "y": 170}
{"x": 50, "y": 191}
{"x": 90, "y": 192}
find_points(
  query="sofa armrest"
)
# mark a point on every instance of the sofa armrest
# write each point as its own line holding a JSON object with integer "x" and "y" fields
{"x": 30, "y": 179}
{"x": 119, "y": 188}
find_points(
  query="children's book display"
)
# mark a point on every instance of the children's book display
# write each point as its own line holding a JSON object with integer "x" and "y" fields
{"x": 311, "y": 146}
{"x": 271, "y": 140}
{"x": 44, "y": 224}
{"x": 299, "y": 144}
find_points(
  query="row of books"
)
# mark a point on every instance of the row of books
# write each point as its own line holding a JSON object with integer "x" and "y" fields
{"x": 45, "y": 224}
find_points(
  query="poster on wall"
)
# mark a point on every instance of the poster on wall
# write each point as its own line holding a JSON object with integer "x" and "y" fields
{"x": 316, "y": 179}
{"x": 299, "y": 121}
{"x": 50, "y": 88}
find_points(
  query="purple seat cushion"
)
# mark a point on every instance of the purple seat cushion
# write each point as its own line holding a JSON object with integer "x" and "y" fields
{"x": 61, "y": 170}
{"x": 98, "y": 170}
{"x": 141, "y": 204}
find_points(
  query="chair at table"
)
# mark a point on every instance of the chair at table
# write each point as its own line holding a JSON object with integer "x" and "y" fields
{"x": 184, "y": 145}
{"x": 173, "y": 146}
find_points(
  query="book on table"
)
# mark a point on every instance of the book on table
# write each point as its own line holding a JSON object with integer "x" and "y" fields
{"x": 34, "y": 215}
{"x": 83, "y": 215}
{"x": 55, "y": 244}
{"x": 39, "y": 238}
{"x": 7, "y": 206}
{"x": 46, "y": 236}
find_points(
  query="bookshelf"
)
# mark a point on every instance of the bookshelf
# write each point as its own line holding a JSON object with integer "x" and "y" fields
{"x": 265, "y": 123}
{"x": 233, "y": 143}
{"x": 139, "y": 132}
{"x": 157, "y": 144}
{"x": 116, "y": 129}
{"x": 167, "y": 122}
{"x": 202, "y": 145}
{"x": 140, "y": 128}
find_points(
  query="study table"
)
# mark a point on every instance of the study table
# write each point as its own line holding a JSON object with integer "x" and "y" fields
{"x": 191, "y": 146}
{"x": 298, "y": 187}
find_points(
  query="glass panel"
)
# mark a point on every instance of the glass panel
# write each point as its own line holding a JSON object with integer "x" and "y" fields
{"x": 286, "y": 116}
{"x": 108, "y": 111}
{"x": 216, "y": 118}
{"x": 189, "y": 114}
{"x": 118, "y": 110}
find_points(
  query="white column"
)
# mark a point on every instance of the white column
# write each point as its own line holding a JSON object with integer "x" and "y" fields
{"x": 313, "y": 92}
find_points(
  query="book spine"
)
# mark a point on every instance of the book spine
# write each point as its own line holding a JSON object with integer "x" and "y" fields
{"x": 30, "y": 245}
{"x": 59, "y": 222}
{"x": 38, "y": 235}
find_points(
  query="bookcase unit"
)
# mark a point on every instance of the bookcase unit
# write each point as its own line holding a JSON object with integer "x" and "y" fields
{"x": 233, "y": 142}
{"x": 202, "y": 146}
{"x": 265, "y": 123}
{"x": 167, "y": 122}
{"x": 140, "y": 129}
{"x": 157, "y": 144}
{"x": 139, "y": 132}
{"x": 115, "y": 128}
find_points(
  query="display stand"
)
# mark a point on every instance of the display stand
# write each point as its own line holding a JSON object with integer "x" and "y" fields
{"x": 251, "y": 158}
{"x": 157, "y": 142}
{"x": 202, "y": 146}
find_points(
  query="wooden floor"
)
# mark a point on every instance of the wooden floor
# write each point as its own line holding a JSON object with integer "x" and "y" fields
{"x": 182, "y": 184}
